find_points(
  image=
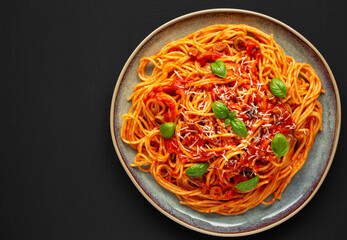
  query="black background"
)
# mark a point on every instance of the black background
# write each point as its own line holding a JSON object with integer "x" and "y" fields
{"x": 60, "y": 177}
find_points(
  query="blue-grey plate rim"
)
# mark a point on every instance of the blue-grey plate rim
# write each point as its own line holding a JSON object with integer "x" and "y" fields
{"x": 262, "y": 217}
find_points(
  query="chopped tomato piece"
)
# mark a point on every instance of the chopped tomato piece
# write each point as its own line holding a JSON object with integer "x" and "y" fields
{"x": 209, "y": 56}
{"x": 252, "y": 49}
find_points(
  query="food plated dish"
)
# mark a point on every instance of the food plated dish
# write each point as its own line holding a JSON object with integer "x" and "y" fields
{"x": 213, "y": 217}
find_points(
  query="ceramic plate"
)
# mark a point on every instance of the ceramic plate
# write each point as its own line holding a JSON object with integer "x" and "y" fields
{"x": 303, "y": 185}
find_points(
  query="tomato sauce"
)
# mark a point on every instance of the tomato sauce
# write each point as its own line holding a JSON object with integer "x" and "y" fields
{"x": 208, "y": 56}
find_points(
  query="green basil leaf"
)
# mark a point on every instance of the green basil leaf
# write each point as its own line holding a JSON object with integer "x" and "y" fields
{"x": 239, "y": 127}
{"x": 218, "y": 68}
{"x": 167, "y": 130}
{"x": 248, "y": 185}
{"x": 278, "y": 88}
{"x": 220, "y": 110}
{"x": 232, "y": 115}
{"x": 197, "y": 170}
{"x": 227, "y": 121}
{"x": 280, "y": 145}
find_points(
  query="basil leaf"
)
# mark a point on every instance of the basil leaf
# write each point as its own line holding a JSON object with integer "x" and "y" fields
{"x": 167, "y": 130}
{"x": 197, "y": 170}
{"x": 218, "y": 68}
{"x": 248, "y": 185}
{"x": 278, "y": 88}
{"x": 279, "y": 145}
{"x": 227, "y": 122}
{"x": 220, "y": 110}
{"x": 239, "y": 127}
{"x": 232, "y": 115}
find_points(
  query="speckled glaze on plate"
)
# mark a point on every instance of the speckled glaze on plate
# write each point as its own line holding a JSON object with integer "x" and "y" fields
{"x": 303, "y": 185}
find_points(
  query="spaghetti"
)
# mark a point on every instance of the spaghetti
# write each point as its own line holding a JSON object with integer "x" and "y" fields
{"x": 179, "y": 87}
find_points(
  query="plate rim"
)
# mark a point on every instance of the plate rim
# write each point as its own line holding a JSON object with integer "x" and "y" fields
{"x": 229, "y": 11}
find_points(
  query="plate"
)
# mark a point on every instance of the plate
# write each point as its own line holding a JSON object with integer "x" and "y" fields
{"x": 304, "y": 184}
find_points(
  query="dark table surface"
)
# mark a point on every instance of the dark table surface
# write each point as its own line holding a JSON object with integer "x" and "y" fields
{"x": 60, "y": 177}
